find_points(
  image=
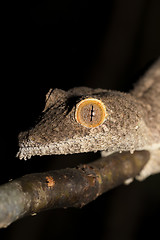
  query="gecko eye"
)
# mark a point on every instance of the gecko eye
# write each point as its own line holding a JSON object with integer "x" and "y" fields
{"x": 90, "y": 112}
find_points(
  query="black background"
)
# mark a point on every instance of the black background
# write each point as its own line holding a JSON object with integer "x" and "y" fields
{"x": 48, "y": 44}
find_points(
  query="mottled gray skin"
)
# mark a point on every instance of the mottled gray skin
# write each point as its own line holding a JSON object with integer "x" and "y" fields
{"x": 133, "y": 122}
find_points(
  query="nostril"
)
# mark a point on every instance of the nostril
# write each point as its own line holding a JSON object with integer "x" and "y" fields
{"x": 31, "y": 138}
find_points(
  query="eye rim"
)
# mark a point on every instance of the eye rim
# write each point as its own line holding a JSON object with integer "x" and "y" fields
{"x": 95, "y": 101}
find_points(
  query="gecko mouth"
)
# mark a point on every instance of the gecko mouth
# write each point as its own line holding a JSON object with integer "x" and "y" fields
{"x": 26, "y": 151}
{"x": 29, "y": 148}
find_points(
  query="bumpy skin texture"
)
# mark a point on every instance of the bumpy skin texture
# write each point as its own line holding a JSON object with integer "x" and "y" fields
{"x": 132, "y": 122}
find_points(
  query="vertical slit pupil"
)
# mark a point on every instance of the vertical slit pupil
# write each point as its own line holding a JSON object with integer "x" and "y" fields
{"x": 91, "y": 113}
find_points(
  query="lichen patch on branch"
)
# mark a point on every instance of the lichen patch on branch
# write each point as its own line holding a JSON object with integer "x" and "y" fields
{"x": 50, "y": 181}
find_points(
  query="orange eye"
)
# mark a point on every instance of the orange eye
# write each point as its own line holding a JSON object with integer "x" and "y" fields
{"x": 90, "y": 112}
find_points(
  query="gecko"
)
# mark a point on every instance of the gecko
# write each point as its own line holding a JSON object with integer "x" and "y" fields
{"x": 83, "y": 119}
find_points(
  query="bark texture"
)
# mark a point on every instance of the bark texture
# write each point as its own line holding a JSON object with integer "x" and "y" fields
{"x": 70, "y": 187}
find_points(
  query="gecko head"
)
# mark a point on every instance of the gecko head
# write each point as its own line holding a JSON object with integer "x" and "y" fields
{"x": 82, "y": 120}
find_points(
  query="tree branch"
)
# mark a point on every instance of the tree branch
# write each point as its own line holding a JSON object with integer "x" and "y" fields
{"x": 70, "y": 187}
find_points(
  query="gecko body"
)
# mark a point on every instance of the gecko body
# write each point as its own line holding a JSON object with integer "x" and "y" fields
{"x": 132, "y": 122}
